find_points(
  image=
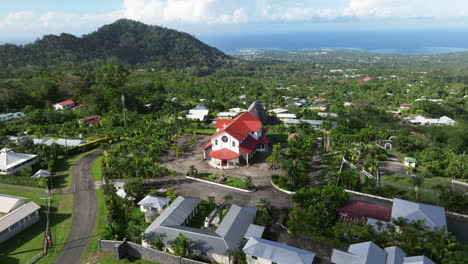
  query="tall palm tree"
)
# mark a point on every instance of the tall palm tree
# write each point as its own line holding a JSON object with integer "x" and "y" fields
{"x": 417, "y": 181}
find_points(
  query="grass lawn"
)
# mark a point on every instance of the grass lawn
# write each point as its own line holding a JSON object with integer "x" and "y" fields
{"x": 198, "y": 220}
{"x": 231, "y": 181}
{"x": 96, "y": 169}
{"x": 429, "y": 184}
{"x": 29, "y": 243}
{"x": 206, "y": 131}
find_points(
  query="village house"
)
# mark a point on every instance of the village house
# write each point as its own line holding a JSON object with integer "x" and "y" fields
{"x": 198, "y": 113}
{"x": 89, "y": 121}
{"x": 11, "y": 116}
{"x": 420, "y": 120}
{"x": 262, "y": 251}
{"x": 16, "y": 215}
{"x": 153, "y": 203}
{"x": 370, "y": 253}
{"x": 286, "y": 116}
{"x": 405, "y": 106}
{"x": 409, "y": 162}
{"x": 12, "y": 162}
{"x": 68, "y": 104}
{"x": 325, "y": 115}
{"x": 235, "y": 141}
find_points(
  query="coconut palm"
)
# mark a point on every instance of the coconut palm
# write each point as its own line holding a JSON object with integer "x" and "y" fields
{"x": 417, "y": 182}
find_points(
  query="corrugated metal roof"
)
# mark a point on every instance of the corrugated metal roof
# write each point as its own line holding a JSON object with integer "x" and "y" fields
{"x": 434, "y": 216}
{"x": 176, "y": 213}
{"x": 154, "y": 201}
{"x": 277, "y": 252}
{"x": 418, "y": 260}
{"x": 9, "y": 203}
{"x": 9, "y": 159}
{"x": 395, "y": 255}
{"x": 18, "y": 214}
{"x": 368, "y": 252}
{"x": 235, "y": 224}
{"x": 254, "y": 231}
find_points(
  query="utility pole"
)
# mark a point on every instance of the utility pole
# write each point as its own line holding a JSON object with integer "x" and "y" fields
{"x": 123, "y": 110}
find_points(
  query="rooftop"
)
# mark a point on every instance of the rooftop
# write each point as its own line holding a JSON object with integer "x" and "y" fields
{"x": 277, "y": 252}
{"x": 18, "y": 214}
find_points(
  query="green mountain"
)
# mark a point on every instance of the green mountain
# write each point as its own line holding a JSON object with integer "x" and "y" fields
{"x": 124, "y": 42}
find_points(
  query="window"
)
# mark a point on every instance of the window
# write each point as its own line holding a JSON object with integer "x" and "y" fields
{"x": 203, "y": 253}
{"x": 224, "y": 139}
{"x": 233, "y": 143}
{"x": 216, "y": 142}
{"x": 273, "y": 262}
{"x": 254, "y": 257}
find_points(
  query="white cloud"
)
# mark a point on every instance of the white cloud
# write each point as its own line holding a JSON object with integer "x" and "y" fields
{"x": 15, "y": 18}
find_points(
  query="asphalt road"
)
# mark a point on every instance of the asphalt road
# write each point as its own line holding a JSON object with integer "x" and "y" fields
{"x": 84, "y": 213}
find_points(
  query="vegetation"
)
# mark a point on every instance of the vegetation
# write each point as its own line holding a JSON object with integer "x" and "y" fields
{"x": 182, "y": 246}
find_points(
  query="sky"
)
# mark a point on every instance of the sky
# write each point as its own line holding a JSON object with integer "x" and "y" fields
{"x": 26, "y": 20}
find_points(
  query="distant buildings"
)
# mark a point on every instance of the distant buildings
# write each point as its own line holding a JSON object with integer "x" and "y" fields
{"x": 49, "y": 141}
{"x": 89, "y": 121}
{"x": 262, "y": 251}
{"x": 68, "y": 104}
{"x": 153, "y": 203}
{"x": 12, "y": 162}
{"x": 11, "y": 116}
{"x": 420, "y": 120}
{"x": 16, "y": 215}
{"x": 198, "y": 113}
{"x": 409, "y": 162}
{"x": 370, "y": 253}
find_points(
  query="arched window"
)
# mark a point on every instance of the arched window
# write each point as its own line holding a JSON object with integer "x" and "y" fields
{"x": 216, "y": 142}
{"x": 233, "y": 143}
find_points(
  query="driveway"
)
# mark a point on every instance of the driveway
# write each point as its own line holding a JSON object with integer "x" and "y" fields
{"x": 84, "y": 213}
{"x": 392, "y": 165}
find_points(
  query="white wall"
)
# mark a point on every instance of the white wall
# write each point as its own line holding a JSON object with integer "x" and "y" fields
{"x": 227, "y": 145}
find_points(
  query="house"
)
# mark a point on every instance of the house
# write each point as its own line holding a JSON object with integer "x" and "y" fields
{"x": 320, "y": 101}
{"x": 420, "y": 120}
{"x": 16, "y": 215}
{"x": 286, "y": 116}
{"x": 325, "y": 115}
{"x": 410, "y": 162}
{"x": 434, "y": 216}
{"x": 50, "y": 141}
{"x": 12, "y": 162}
{"x": 227, "y": 115}
{"x": 235, "y": 141}
{"x": 368, "y": 78}
{"x": 359, "y": 212}
{"x": 68, "y": 104}
{"x": 11, "y": 116}
{"x": 405, "y": 106}
{"x": 278, "y": 110}
{"x": 153, "y": 203}
{"x": 41, "y": 173}
{"x": 208, "y": 245}
{"x": 370, "y": 253}
{"x": 120, "y": 187}
{"x": 89, "y": 121}
{"x": 198, "y": 113}
{"x": 236, "y": 110}
{"x": 260, "y": 251}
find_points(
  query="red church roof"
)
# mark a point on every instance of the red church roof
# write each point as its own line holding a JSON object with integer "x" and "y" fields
{"x": 367, "y": 210}
{"x": 65, "y": 103}
{"x": 249, "y": 145}
{"x": 207, "y": 145}
{"x": 220, "y": 123}
{"x": 240, "y": 126}
{"x": 224, "y": 154}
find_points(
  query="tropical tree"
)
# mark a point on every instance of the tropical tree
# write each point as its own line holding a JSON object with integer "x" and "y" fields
{"x": 248, "y": 183}
{"x": 182, "y": 246}
{"x": 417, "y": 182}
{"x": 274, "y": 160}
{"x": 113, "y": 231}
{"x": 236, "y": 256}
{"x": 263, "y": 212}
{"x": 192, "y": 171}
{"x": 158, "y": 243}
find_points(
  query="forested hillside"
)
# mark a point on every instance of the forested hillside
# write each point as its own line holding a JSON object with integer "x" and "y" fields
{"x": 125, "y": 42}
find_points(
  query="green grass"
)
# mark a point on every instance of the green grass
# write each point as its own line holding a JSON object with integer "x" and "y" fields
{"x": 206, "y": 131}
{"x": 430, "y": 183}
{"x": 198, "y": 220}
{"x": 29, "y": 243}
{"x": 96, "y": 169}
{"x": 109, "y": 259}
{"x": 231, "y": 181}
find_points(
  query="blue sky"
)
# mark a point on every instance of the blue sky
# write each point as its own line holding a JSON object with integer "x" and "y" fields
{"x": 29, "y": 19}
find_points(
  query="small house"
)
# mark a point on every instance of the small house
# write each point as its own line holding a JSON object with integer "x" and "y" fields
{"x": 68, "y": 104}
{"x": 260, "y": 251}
{"x": 16, "y": 215}
{"x": 198, "y": 113}
{"x": 12, "y": 162}
{"x": 89, "y": 121}
{"x": 153, "y": 203}
{"x": 410, "y": 162}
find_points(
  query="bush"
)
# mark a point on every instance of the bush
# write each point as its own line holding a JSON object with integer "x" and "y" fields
{"x": 18, "y": 180}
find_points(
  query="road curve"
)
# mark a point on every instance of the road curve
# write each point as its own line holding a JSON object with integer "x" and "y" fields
{"x": 84, "y": 212}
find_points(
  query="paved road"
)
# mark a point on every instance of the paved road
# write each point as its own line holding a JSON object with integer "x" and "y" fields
{"x": 84, "y": 213}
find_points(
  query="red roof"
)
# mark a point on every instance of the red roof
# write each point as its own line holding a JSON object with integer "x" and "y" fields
{"x": 77, "y": 106}
{"x": 406, "y": 105}
{"x": 207, "y": 145}
{"x": 89, "y": 118}
{"x": 224, "y": 154}
{"x": 220, "y": 123}
{"x": 320, "y": 100}
{"x": 93, "y": 122}
{"x": 65, "y": 103}
{"x": 263, "y": 140}
{"x": 367, "y": 210}
{"x": 240, "y": 126}
{"x": 249, "y": 145}
{"x": 292, "y": 135}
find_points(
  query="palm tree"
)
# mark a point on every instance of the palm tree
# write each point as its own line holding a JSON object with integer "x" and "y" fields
{"x": 182, "y": 246}
{"x": 236, "y": 256}
{"x": 417, "y": 181}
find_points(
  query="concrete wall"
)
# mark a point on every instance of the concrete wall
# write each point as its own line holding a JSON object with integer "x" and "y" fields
{"x": 124, "y": 248}
{"x": 19, "y": 226}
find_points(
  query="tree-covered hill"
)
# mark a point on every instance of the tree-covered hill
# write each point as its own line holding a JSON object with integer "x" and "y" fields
{"x": 124, "y": 42}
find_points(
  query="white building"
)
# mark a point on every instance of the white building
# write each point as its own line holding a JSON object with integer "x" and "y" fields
{"x": 236, "y": 140}
{"x": 68, "y": 104}
{"x": 420, "y": 120}
{"x": 325, "y": 114}
{"x": 16, "y": 215}
{"x": 198, "y": 113}
{"x": 286, "y": 116}
{"x": 12, "y": 162}
{"x": 153, "y": 203}
{"x": 262, "y": 251}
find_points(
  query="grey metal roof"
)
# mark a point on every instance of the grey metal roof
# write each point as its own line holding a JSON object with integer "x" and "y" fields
{"x": 18, "y": 214}
{"x": 395, "y": 255}
{"x": 342, "y": 257}
{"x": 418, "y": 260}
{"x": 257, "y": 110}
{"x": 176, "y": 213}
{"x": 362, "y": 253}
{"x": 9, "y": 159}
{"x": 254, "y": 231}
{"x": 154, "y": 202}
{"x": 277, "y": 252}
{"x": 412, "y": 211}
{"x": 200, "y": 107}
{"x": 228, "y": 235}
{"x": 235, "y": 224}
{"x": 41, "y": 173}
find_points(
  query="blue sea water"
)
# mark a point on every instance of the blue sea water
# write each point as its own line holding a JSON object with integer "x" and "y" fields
{"x": 380, "y": 42}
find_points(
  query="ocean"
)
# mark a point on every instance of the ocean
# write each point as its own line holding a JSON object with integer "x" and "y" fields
{"x": 380, "y": 42}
